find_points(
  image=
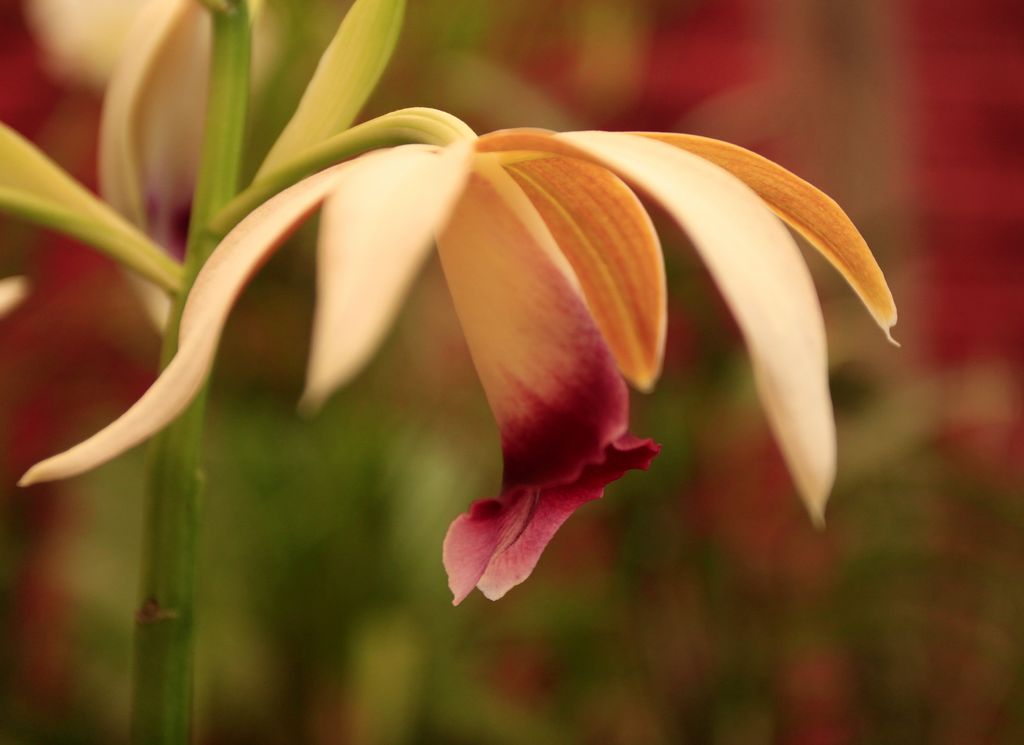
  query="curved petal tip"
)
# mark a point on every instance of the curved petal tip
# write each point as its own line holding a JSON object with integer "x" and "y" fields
{"x": 887, "y": 330}
{"x": 13, "y": 291}
{"x": 310, "y": 404}
{"x": 32, "y": 476}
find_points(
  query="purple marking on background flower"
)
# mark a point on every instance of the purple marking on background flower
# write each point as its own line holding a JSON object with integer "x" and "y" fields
{"x": 498, "y": 542}
{"x": 168, "y": 223}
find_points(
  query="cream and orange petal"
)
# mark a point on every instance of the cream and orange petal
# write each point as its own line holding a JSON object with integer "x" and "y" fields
{"x": 213, "y": 295}
{"x": 377, "y": 227}
{"x": 806, "y": 209}
{"x": 765, "y": 282}
{"x": 607, "y": 236}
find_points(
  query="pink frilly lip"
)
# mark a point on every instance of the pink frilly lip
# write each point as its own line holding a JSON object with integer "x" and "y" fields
{"x": 497, "y": 543}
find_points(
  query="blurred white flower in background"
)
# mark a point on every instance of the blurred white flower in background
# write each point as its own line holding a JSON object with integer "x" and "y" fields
{"x": 81, "y": 39}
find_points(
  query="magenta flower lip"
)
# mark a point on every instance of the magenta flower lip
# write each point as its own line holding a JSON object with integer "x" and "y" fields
{"x": 498, "y": 542}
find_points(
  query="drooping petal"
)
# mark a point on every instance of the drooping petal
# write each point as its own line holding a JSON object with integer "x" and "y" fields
{"x": 151, "y": 130}
{"x": 375, "y": 232}
{"x": 609, "y": 240}
{"x": 806, "y": 209}
{"x": 759, "y": 270}
{"x": 12, "y": 291}
{"x": 345, "y": 77}
{"x": 216, "y": 288}
{"x": 498, "y": 542}
{"x": 548, "y": 375}
{"x": 764, "y": 280}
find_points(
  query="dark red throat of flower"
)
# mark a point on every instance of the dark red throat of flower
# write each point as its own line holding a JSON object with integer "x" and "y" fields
{"x": 168, "y": 225}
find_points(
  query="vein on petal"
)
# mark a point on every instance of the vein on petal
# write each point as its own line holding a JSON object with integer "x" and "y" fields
{"x": 762, "y": 275}
{"x": 808, "y": 210}
{"x": 611, "y": 244}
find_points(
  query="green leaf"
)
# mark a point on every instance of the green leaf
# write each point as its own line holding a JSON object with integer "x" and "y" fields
{"x": 347, "y": 74}
{"x": 35, "y": 188}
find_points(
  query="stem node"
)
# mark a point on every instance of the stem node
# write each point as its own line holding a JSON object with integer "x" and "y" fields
{"x": 151, "y": 612}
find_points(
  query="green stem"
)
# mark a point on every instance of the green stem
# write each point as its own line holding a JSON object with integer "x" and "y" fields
{"x": 163, "y": 668}
{"x": 405, "y": 127}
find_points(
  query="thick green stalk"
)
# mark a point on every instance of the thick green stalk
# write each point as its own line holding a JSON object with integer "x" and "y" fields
{"x": 163, "y": 667}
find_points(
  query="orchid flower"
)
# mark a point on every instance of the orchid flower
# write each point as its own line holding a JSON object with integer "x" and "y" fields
{"x": 553, "y": 265}
{"x": 557, "y": 279}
